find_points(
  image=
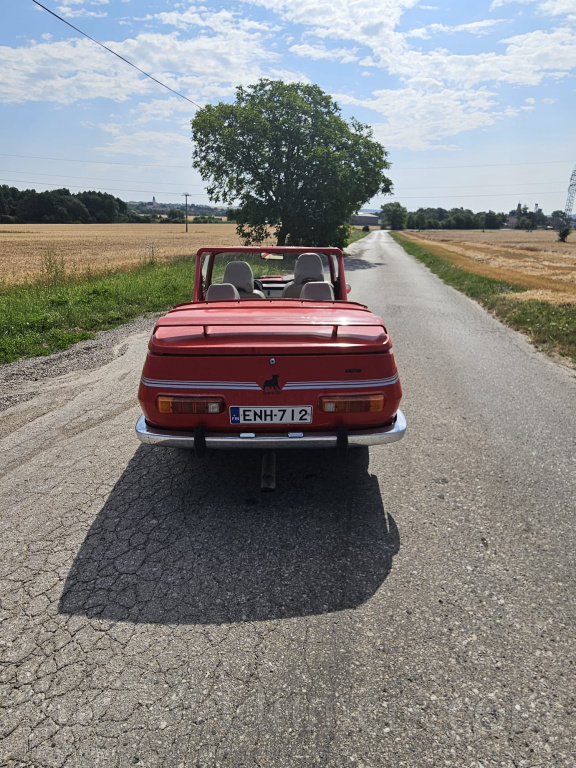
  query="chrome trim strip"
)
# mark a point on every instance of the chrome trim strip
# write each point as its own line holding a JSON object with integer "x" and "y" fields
{"x": 232, "y": 441}
{"x": 253, "y": 386}
{"x": 348, "y": 384}
{"x": 176, "y": 384}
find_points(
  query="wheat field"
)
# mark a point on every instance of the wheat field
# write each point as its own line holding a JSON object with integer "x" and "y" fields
{"x": 534, "y": 259}
{"x": 28, "y": 250}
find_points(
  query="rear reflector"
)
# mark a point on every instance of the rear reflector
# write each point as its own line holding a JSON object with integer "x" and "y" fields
{"x": 198, "y": 405}
{"x": 352, "y": 404}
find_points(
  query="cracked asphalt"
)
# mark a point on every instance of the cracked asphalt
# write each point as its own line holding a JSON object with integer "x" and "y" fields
{"x": 413, "y": 606}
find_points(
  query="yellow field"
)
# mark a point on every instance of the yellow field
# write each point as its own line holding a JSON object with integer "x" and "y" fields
{"x": 25, "y": 248}
{"x": 533, "y": 259}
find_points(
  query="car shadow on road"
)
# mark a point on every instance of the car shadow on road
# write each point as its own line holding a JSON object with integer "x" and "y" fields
{"x": 353, "y": 264}
{"x": 188, "y": 541}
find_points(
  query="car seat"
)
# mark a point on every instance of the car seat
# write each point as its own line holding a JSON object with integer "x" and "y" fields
{"x": 308, "y": 268}
{"x": 222, "y": 292}
{"x": 316, "y": 291}
{"x": 239, "y": 273}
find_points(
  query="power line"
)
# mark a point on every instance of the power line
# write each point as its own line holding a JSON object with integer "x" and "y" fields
{"x": 484, "y": 186}
{"x": 99, "y": 178}
{"x": 161, "y": 165}
{"x": 463, "y": 197}
{"x": 116, "y": 54}
{"x": 483, "y": 165}
{"x": 200, "y": 186}
{"x": 77, "y": 186}
{"x": 94, "y": 162}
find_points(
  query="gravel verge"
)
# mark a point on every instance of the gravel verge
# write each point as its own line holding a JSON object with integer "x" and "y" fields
{"x": 16, "y": 378}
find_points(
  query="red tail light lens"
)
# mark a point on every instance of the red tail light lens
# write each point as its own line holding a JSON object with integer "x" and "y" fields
{"x": 352, "y": 404}
{"x": 199, "y": 405}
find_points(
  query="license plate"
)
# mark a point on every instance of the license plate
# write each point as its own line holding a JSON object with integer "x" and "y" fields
{"x": 290, "y": 414}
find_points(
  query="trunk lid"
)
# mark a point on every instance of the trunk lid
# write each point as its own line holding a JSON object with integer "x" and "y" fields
{"x": 255, "y": 327}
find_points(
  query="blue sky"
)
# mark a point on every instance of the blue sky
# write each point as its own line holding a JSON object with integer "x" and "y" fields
{"x": 475, "y": 100}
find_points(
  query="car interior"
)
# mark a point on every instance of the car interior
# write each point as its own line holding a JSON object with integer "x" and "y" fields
{"x": 308, "y": 276}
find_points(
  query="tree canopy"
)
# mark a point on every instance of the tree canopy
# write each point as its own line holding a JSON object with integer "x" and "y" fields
{"x": 393, "y": 215}
{"x": 59, "y": 206}
{"x": 286, "y": 158}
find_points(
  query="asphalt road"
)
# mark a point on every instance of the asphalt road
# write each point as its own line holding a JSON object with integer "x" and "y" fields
{"x": 413, "y": 607}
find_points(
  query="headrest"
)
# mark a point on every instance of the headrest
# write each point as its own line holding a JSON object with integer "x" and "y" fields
{"x": 239, "y": 273}
{"x": 316, "y": 291}
{"x": 308, "y": 267}
{"x": 222, "y": 292}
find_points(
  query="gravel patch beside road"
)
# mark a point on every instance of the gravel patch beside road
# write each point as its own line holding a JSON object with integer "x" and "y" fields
{"x": 21, "y": 380}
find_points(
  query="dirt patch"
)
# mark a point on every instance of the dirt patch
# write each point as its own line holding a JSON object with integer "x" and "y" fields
{"x": 536, "y": 259}
{"x": 28, "y": 250}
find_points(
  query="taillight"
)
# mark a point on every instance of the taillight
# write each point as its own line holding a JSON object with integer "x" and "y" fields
{"x": 199, "y": 405}
{"x": 352, "y": 404}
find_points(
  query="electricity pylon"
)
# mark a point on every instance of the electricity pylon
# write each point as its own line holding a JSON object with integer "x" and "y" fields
{"x": 571, "y": 196}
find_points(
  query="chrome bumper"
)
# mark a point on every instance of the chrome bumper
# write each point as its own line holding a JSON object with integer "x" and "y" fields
{"x": 270, "y": 441}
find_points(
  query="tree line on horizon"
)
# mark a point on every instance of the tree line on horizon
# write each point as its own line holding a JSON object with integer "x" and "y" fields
{"x": 396, "y": 216}
{"x": 60, "y": 206}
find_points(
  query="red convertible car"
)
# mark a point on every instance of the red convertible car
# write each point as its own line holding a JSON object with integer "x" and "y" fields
{"x": 270, "y": 354}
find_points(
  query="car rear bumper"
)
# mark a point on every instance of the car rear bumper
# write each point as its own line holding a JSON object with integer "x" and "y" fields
{"x": 270, "y": 441}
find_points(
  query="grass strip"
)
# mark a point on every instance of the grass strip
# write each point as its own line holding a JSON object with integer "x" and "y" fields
{"x": 63, "y": 308}
{"x": 42, "y": 318}
{"x": 550, "y": 327}
{"x": 355, "y": 235}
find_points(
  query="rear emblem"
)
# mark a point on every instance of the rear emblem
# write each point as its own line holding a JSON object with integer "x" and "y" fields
{"x": 272, "y": 385}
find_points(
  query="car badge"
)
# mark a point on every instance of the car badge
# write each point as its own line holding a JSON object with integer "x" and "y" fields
{"x": 272, "y": 384}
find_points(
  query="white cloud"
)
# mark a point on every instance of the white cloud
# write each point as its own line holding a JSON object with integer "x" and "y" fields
{"x": 500, "y": 3}
{"x": 371, "y": 24}
{"x": 65, "y": 10}
{"x": 477, "y": 28}
{"x": 342, "y": 55}
{"x": 157, "y": 146}
{"x": 548, "y": 7}
{"x": 419, "y": 120}
{"x": 528, "y": 59}
{"x": 162, "y": 110}
{"x": 113, "y": 128}
{"x": 81, "y": 13}
{"x": 71, "y": 70}
{"x": 64, "y": 72}
{"x": 221, "y": 21}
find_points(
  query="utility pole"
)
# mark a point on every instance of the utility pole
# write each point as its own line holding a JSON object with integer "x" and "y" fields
{"x": 186, "y": 195}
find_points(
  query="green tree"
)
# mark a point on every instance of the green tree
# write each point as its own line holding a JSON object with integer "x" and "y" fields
{"x": 421, "y": 220}
{"x": 175, "y": 216}
{"x": 492, "y": 220}
{"x": 283, "y": 154}
{"x": 394, "y": 215}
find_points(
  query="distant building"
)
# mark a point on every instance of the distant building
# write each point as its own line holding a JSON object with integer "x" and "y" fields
{"x": 365, "y": 218}
{"x": 152, "y": 204}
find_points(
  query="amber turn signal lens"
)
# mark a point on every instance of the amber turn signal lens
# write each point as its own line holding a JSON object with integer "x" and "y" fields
{"x": 352, "y": 404}
{"x": 199, "y": 405}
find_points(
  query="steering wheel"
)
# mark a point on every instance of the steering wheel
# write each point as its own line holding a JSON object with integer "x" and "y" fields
{"x": 258, "y": 285}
